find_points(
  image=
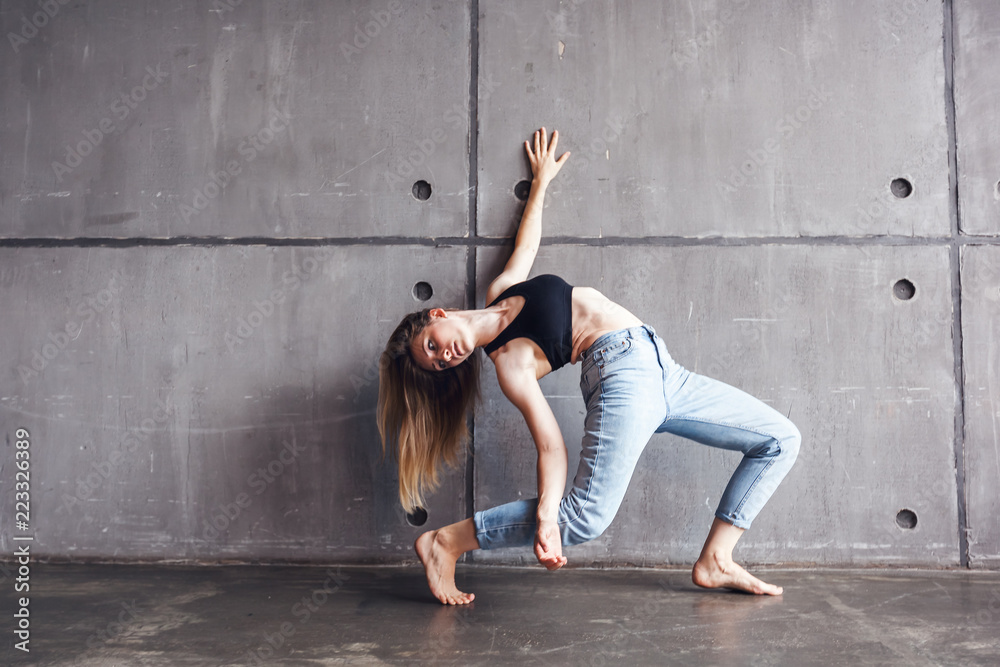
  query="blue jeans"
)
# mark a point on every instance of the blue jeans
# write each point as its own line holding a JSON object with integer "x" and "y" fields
{"x": 632, "y": 389}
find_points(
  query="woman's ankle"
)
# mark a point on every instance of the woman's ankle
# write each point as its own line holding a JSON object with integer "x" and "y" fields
{"x": 457, "y": 538}
{"x": 714, "y": 560}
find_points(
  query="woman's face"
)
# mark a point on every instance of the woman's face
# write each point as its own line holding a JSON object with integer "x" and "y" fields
{"x": 444, "y": 343}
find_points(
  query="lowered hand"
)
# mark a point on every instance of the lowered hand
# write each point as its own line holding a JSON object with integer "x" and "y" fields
{"x": 548, "y": 545}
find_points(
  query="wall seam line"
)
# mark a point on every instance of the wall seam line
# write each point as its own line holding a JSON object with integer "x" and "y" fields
{"x": 470, "y": 266}
{"x": 955, "y": 252}
{"x": 959, "y": 240}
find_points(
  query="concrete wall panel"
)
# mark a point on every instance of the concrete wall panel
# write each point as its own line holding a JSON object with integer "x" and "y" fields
{"x": 165, "y": 388}
{"x": 815, "y": 332}
{"x": 977, "y": 114}
{"x": 157, "y": 379}
{"x": 718, "y": 118}
{"x": 260, "y": 119}
{"x": 980, "y": 323}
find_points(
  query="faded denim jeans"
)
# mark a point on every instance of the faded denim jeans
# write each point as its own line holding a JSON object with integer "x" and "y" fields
{"x": 633, "y": 388}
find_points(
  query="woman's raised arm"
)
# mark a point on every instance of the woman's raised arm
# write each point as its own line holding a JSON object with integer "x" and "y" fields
{"x": 544, "y": 168}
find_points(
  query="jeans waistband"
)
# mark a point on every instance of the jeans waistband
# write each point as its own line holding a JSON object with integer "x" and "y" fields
{"x": 631, "y": 332}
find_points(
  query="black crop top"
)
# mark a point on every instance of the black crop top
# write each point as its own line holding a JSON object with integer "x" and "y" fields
{"x": 546, "y": 318}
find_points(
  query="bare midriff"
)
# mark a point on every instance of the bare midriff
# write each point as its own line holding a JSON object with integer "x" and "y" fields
{"x": 595, "y": 315}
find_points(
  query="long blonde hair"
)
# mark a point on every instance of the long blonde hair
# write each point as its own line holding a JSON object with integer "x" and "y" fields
{"x": 422, "y": 414}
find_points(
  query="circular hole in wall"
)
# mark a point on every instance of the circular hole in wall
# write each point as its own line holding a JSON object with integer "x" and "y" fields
{"x": 904, "y": 290}
{"x": 522, "y": 190}
{"x": 901, "y": 188}
{"x": 422, "y": 190}
{"x": 422, "y": 291}
{"x": 906, "y": 519}
{"x": 417, "y": 517}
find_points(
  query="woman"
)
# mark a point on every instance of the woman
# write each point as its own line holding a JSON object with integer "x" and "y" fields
{"x": 632, "y": 389}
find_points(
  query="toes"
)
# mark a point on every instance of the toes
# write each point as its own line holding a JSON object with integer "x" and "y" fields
{"x": 456, "y": 598}
{"x": 762, "y": 588}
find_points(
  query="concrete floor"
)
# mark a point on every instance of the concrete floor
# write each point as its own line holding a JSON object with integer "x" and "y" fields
{"x": 88, "y": 615}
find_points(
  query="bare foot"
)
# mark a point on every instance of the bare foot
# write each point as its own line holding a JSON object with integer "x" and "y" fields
{"x": 716, "y": 572}
{"x": 439, "y": 562}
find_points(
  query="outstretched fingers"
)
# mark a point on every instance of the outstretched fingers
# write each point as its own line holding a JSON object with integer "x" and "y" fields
{"x": 554, "y": 142}
{"x": 542, "y": 158}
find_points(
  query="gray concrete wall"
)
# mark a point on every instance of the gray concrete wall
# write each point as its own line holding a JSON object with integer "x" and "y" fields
{"x": 980, "y": 322}
{"x": 873, "y": 396}
{"x": 213, "y": 214}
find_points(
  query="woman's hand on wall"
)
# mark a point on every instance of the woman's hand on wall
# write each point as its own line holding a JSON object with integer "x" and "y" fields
{"x": 542, "y": 156}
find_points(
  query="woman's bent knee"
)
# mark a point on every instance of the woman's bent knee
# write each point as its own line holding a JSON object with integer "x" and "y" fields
{"x": 789, "y": 442}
